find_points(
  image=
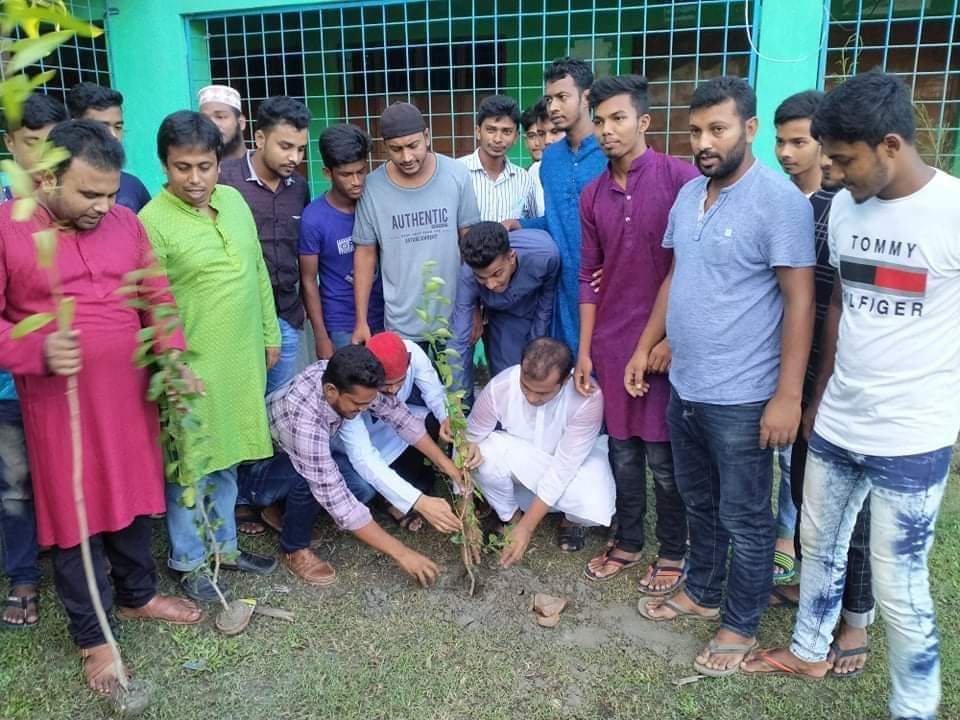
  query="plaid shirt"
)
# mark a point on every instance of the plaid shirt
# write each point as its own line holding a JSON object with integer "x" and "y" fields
{"x": 302, "y": 423}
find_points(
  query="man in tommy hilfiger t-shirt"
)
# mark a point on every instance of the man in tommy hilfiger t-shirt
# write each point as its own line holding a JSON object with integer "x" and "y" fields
{"x": 889, "y": 416}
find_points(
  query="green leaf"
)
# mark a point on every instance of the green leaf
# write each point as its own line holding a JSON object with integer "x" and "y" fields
{"x": 30, "y": 324}
{"x": 443, "y": 333}
{"x": 146, "y": 334}
{"x": 422, "y": 314}
{"x": 50, "y": 158}
{"x": 20, "y": 181}
{"x": 23, "y": 209}
{"x": 30, "y": 50}
{"x": 46, "y": 244}
{"x": 451, "y": 353}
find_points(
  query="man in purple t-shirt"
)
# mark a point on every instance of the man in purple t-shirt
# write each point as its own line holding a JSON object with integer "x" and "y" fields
{"x": 623, "y": 215}
{"x": 326, "y": 245}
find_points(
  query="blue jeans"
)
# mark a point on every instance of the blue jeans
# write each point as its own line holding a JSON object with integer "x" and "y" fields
{"x": 18, "y": 529}
{"x": 286, "y": 366}
{"x": 268, "y": 481}
{"x": 188, "y": 545}
{"x": 725, "y": 480}
{"x": 786, "y": 510}
{"x": 340, "y": 338}
{"x": 905, "y": 495}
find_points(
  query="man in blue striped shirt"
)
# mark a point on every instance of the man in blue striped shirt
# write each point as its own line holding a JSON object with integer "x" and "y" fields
{"x": 504, "y": 191}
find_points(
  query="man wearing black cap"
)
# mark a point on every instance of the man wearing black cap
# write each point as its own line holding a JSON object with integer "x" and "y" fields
{"x": 412, "y": 209}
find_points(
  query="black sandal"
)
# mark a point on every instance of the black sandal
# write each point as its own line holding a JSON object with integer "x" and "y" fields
{"x": 22, "y": 603}
{"x": 571, "y": 538}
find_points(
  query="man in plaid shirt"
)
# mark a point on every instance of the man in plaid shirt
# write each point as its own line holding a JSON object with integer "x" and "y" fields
{"x": 304, "y": 415}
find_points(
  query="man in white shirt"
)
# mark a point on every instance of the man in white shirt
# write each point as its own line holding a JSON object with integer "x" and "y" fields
{"x": 504, "y": 191}
{"x": 374, "y": 459}
{"x": 888, "y": 418}
{"x": 549, "y": 455}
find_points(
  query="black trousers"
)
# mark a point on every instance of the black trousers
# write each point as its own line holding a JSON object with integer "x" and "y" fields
{"x": 858, "y": 587}
{"x": 628, "y": 461}
{"x": 413, "y": 467}
{"x": 131, "y": 566}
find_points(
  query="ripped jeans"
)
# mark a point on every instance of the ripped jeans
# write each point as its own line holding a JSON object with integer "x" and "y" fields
{"x": 905, "y": 495}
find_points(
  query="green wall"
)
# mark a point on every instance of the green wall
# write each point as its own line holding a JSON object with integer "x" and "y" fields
{"x": 151, "y": 46}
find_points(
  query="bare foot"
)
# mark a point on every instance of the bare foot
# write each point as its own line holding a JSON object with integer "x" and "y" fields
{"x": 724, "y": 653}
{"x": 99, "y": 669}
{"x": 27, "y": 612}
{"x": 849, "y": 638}
{"x": 780, "y": 661}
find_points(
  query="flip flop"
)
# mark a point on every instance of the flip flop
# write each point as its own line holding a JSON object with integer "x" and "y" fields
{"x": 780, "y": 669}
{"x": 22, "y": 602}
{"x": 622, "y": 563}
{"x": 654, "y": 571}
{"x": 573, "y": 536}
{"x": 248, "y": 521}
{"x": 676, "y": 607}
{"x": 715, "y": 648}
{"x": 838, "y": 653}
{"x": 788, "y": 567}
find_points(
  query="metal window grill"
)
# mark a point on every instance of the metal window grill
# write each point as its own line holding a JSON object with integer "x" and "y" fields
{"x": 918, "y": 40}
{"x": 347, "y": 61}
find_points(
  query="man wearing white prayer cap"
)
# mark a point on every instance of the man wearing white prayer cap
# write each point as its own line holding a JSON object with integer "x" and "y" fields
{"x": 221, "y": 103}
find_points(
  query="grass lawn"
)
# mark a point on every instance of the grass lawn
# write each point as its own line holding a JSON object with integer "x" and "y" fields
{"x": 374, "y": 646}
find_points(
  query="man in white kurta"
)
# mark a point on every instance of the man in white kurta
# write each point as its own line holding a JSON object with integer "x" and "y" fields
{"x": 375, "y": 450}
{"x": 549, "y": 455}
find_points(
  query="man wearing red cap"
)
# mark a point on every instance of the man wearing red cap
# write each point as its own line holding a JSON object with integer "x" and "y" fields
{"x": 375, "y": 459}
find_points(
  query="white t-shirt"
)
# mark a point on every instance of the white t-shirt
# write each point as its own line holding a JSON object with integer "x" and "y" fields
{"x": 895, "y": 389}
{"x": 534, "y": 171}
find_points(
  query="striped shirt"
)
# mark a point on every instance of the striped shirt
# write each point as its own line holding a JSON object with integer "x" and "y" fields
{"x": 824, "y": 277}
{"x": 510, "y": 196}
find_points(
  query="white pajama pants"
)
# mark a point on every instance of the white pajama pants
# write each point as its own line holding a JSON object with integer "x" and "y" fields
{"x": 513, "y": 467}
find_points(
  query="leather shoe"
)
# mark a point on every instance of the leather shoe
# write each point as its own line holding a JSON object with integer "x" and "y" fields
{"x": 309, "y": 568}
{"x": 252, "y": 563}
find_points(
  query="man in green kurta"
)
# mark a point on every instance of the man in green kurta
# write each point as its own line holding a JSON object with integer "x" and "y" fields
{"x": 204, "y": 237}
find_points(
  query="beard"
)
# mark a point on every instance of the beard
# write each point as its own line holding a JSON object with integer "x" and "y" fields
{"x": 231, "y": 146}
{"x": 728, "y": 165}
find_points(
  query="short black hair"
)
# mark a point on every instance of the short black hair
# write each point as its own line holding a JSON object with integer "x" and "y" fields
{"x": 352, "y": 366}
{"x": 483, "y": 243}
{"x": 88, "y": 141}
{"x": 728, "y": 87}
{"x": 528, "y": 118}
{"x": 186, "y": 128}
{"x": 497, "y": 106}
{"x": 343, "y": 144}
{"x": 87, "y": 95}
{"x": 39, "y": 110}
{"x": 633, "y": 85}
{"x": 535, "y": 113}
{"x": 800, "y": 106}
{"x": 866, "y": 108}
{"x": 282, "y": 109}
{"x": 574, "y": 67}
{"x": 542, "y": 356}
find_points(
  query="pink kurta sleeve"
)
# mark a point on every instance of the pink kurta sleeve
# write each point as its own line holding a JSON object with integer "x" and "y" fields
{"x": 23, "y": 356}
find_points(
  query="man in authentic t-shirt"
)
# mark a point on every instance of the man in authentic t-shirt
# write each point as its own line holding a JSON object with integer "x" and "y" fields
{"x": 412, "y": 210}
{"x": 739, "y": 320}
{"x": 326, "y": 242}
{"x": 889, "y": 416}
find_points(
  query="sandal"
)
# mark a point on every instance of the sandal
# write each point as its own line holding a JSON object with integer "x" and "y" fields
{"x": 248, "y": 521}
{"x": 411, "y": 522}
{"x": 679, "y": 610}
{"x": 839, "y": 652}
{"x": 714, "y": 648}
{"x": 165, "y": 608}
{"x": 655, "y": 570}
{"x": 571, "y": 538}
{"x": 23, "y": 603}
{"x": 787, "y": 565}
{"x": 779, "y": 668}
{"x": 608, "y": 557}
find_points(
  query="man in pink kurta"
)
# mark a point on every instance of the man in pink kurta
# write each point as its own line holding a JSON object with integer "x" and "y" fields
{"x": 99, "y": 243}
{"x": 623, "y": 217}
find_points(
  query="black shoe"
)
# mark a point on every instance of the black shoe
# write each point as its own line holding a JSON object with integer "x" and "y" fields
{"x": 199, "y": 587}
{"x": 251, "y": 563}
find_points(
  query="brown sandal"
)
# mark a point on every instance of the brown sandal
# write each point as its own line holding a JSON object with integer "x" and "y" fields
{"x": 655, "y": 570}
{"x": 165, "y": 608}
{"x": 97, "y": 662}
{"x": 608, "y": 557}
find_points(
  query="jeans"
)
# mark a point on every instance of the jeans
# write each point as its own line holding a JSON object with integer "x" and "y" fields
{"x": 628, "y": 461}
{"x": 786, "y": 510}
{"x": 18, "y": 529}
{"x": 268, "y": 481}
{"x": 725, "y": 480}
{"x": 859, "y": 607}
{"x": 189, "y": 539}
{"x": 286, "y": 366}
{"x": 342, "y": 338}
{"x": 905, "y": 495}
{"x": 126, "y": 556}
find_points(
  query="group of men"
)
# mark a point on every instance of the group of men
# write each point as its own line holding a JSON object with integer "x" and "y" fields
{"x": 635, "y": 309}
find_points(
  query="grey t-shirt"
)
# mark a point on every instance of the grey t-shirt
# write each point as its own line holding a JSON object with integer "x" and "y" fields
{"x": 410, "y": 227}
